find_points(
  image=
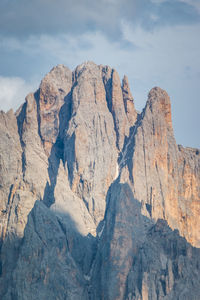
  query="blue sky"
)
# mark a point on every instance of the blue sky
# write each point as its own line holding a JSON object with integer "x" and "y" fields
{"x": 153, "y": 42}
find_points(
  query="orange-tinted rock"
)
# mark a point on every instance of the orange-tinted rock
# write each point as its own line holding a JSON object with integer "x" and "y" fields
{"x": 161, "y": 100}
{"x": 79, "y": 147}
{"x": 164, "y": 179}
{"x": 53, "y": 92}
{"x": 189, "y": 194}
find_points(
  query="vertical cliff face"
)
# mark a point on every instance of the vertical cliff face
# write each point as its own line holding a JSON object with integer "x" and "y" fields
{"x": 54, "y": 92}
{"x": 42, "y": 258}
{"x": 111, "y": 186}
{"x": 154, "y": 169}
{"x": 90, "y": 141}
{"x": 189, "y": 194}
{"x": 128, "y": 102}
{"x": 10, "y": 161}
{"x": 163, "y": 178}
{"x": 144, "y": 259}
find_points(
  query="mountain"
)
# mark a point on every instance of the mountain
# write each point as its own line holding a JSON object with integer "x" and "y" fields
{"x": 97, "y": 201}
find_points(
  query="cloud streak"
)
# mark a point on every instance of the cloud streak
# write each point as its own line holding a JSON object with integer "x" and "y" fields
{"x": 13, "y": 91}
{"x": 155, "y": 42}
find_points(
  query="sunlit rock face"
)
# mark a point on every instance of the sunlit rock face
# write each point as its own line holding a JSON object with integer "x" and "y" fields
{"x": 97, "y": 201}
{"x": 189, "y": 194}
{"x": 164, "y": 177}
{"x": 90, "y": 151}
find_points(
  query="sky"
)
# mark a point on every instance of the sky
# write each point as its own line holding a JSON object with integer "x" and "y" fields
{"x": 153, "y": 42}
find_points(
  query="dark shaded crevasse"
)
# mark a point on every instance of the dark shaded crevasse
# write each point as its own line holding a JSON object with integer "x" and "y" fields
{"x": 20, "y": 121}
{"x": 126, "y": 155}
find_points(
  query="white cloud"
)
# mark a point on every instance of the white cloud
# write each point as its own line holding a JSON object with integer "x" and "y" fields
{"x": 164, "y": 53}
{"x": 166, "y": 57}
{"x": 13, "y": 91}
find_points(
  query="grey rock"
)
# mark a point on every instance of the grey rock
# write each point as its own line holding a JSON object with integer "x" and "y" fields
{"x": 116, "y": 103}
{"x": 137, "y": 259}
{"x": 10, "y": 177}
{"x": 88, "y": 190}
{"x": 162, "y": 266}
{"x": 90, "y": 152}
{"x": 128, "y": 102}
{"x": 123, "y": 233}
{"x": 53, "y": 93}
{"x": 189, "y": 193}
{"x": 10, "y": 157}
{"x": 45, "y": 268}
{"x": 164, "y": 178}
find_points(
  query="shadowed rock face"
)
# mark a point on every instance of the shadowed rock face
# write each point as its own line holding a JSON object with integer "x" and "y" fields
{"x": 140, "y": 259}
{"x": 111, "y": 186}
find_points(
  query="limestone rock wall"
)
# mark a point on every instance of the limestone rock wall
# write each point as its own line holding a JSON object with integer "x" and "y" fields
{"x": 90, "y": 151}
{"x": 44, "y": 262}
{"x": 128, "y": 102}
{"x": 163, "y": 177}
{"x": 91, "y": 191}
{"x": 54, "y": 92}
{"x": 189, "y": 194}
{"x": 144, "y": 260}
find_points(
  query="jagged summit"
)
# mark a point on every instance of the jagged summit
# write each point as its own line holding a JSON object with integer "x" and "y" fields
{"x": 159, "y": 99}
{"x": 91, "y": 192}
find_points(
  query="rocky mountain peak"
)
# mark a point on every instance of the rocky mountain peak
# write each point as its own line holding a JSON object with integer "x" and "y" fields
{"x": 87, "y": 67}
{"x": 59, "y": 79}
{"x": 158, "y": 99}
{"x": 52, "y": 93}
{"x": 97, "y": 201}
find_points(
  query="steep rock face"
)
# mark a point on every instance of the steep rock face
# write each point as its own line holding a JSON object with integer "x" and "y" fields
{"x": 34, "y": 159}
{"x": 138, "y": 259}
{"x": 10, "y": 161}
{"x": 189, "y": 194}
{"x": 30, "y": 177}
{"x": 68, "y": 204}
{"x": 53, "y": 92}
{"x": 128, "y": 102}
{"x": 154, "y": 164}
{"x": 43, "y": 255}
{"x": 10, "y": 177}
{"x": 79, "y": 146}
{"x": 27, "y": 185}
{"x": 154, "y": 168}
{"x": 123, "y": 230}
{"x": 118, "y": 110}
{"x": 90, "y": 145}
{"x": 161, "y": 266}
{"x": 114, "y": 95}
